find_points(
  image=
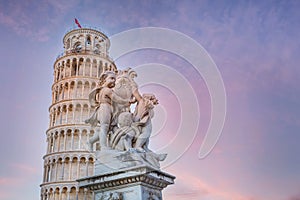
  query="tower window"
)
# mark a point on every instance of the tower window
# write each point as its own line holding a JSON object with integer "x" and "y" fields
{"x": 77, "y": 47}
{"x": 68, "y": 44}
{"x": 88, "y": 40}
{"x": 97, "y": 49}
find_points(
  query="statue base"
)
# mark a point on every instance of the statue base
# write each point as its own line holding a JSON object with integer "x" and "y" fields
{"x": 126, "y": 176}
{"x": 114, "y": 160}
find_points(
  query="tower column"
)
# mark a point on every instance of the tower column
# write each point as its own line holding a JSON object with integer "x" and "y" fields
{"x": 65, "y": 141}
{"x": 71, "y": 67}
{"x": 60, "y": 195}
{"x": 62, "y": 170}
{"x": 51, "y": 172}
{"x": 67, "y": 114}
{"x": 77, "y": 67}
{"x": 74, "y": 109}
{"x": 48, "y": 145}
{"x": 52, "y": 143}
{"x": 84, "y": 64}
{"x": 76, "y": 194}
{"x": 60, "y": 115}
{"x": 70, "y": 169}
{"x": 91, "y": 68}
{"x": 81, "y": 111}
{"x": 55, "y": 170}
{"x": 62, "y": 92}
{"x": 78, "y": 168}
{"x": 72, "y": 139}
{"x": 58, "y": 141}
{"x": 82, "y": 91}
{"x": 64, "y": 66}
{"x": 79, "y": 135}
{"x": 87, "y": 167}
{"x": 45, "y": 172}
{"x": 68, "y": 195}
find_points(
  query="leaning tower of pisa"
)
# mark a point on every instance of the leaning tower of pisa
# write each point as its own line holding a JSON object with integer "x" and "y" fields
{"x": 76, "y": 73}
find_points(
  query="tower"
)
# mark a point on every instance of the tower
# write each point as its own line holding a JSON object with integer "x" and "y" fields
{"x": 76, "y": 73}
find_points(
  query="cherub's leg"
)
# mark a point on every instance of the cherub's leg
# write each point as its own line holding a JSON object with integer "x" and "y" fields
{"x": 143, "y": 137}
{"x": 104, "y": 114}
{"x": 93, "y": 139}
{"x": 128, "y": 140}
{"x": 103, "y": 136}
{"x": 145, "y": 147}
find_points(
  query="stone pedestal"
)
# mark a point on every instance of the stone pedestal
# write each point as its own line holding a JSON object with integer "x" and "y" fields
{"x": 119, "y": 179}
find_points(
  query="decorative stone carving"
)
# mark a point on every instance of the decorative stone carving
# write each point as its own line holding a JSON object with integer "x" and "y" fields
{"x": 152, "y": 196}
{"x": 110, "y": 196}
{"x": 135, "y": 183}
{"x": 123, "y": 135}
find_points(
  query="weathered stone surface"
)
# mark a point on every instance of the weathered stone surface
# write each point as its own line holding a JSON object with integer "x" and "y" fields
{"x": 135, "y": 183}
{"x": 113, "y": 160}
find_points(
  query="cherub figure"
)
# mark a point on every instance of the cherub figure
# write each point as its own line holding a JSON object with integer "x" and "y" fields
{"x": 126, "y": 134}
{"x": 142, "y": 117}
{"x": 102, "y": 98}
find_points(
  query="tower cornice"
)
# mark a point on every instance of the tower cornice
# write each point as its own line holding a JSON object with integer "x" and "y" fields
{"x": 86, "y": 31}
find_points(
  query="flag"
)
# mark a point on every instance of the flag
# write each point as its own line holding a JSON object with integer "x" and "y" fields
{"x": 77, "y": 22}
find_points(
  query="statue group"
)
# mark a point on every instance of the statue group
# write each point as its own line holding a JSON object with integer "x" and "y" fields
{"x": 116, "y": 127}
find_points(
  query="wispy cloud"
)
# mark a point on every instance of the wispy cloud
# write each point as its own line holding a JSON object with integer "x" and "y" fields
{"x": 189, "y": 186}
{"x": 17, "y": 17}
{"x": 62, "y": 7}
{"x": 294, "y": 197}
{"x": 9, "y": 181}
{"x": 24, "y": 168}
{"x": 37, "y": 25}
{"x": 9, "y": 186}
{"x": 16, "y": 180}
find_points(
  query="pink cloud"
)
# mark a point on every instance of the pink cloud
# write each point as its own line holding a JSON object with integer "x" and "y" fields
{"x": 19, "y": 17}
{"x": 5, "y": 194}
{"x": 21, "y": 169}
{"x": 191, "y": 187}
{"x": 20, "y": 178}
{"x": 22, "y": 25}
{"x": 62, "y": 6}
{"x": 8, "y": 186}
{"x": 24, "y": 168}
{"x": 295, "y": 197}
{"x": 7, "y": 20}
{"x": 9, "y": 181}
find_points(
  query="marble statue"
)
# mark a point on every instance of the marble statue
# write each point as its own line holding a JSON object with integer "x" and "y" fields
{"x": 121, "y": 133}
{"x": 102, "y": 98}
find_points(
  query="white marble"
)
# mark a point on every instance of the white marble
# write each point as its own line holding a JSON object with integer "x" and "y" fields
{"x": 135, "y": 183}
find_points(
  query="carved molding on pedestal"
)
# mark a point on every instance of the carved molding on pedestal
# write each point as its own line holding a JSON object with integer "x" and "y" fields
{"x": 144, "y": 175}
{"x": 110, "y": 196}
{"x": 138, "y": 183}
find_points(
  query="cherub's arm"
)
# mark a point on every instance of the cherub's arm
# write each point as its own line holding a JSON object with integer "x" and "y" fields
{"x": 137, "y": 95}
{"x": 116, "y": 98}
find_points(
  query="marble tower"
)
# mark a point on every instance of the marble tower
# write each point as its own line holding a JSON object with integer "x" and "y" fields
{"x": 76, "y": 74}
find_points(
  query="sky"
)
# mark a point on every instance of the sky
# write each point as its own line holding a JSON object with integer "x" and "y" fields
{"x": 255, "y": 46}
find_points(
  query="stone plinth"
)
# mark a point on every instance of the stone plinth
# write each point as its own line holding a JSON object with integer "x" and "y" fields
{"x": 133, "y": 183}
{"x": 109, "y": 161}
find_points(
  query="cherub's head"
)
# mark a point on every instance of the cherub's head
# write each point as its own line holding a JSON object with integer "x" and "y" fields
{"x": 125, "y": 119}
{"x": 108, "y": 79}
{"x": 151, "y": 98}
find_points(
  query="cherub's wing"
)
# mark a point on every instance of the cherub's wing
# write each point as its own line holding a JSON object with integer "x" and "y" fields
{"x": 93, "y": 97}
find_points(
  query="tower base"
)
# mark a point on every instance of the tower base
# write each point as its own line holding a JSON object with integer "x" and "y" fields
{"x": 134, "y": 183}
